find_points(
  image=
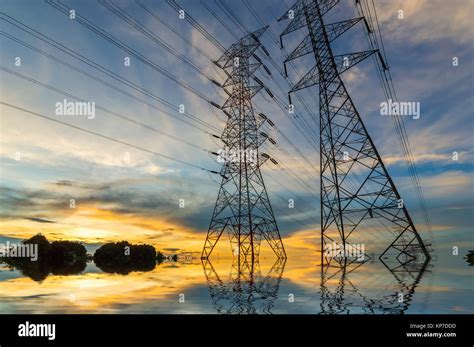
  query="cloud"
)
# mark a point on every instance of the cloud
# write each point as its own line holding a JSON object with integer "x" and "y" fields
{"x": 131, "y": 198}
{"x": 39, "y": 220}
{"x": 69, "y": 183}
{"x": 171, "y": 249}
{"x": 426, "y": 20}
{"x": 448, "y": 185}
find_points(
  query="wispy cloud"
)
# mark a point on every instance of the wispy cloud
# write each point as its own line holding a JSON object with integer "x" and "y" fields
{"x": 39, "y": 220}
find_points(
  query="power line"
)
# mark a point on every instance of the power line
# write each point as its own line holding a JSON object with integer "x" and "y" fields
{"x": 390, "y": 93}
{"x": 107, "y": 137}
{"x": 216, "y": 43}
{"x": 102, "y": 69}
{"x": 303, "y": 128}
{"x": 340, "y": 120}
{"x": 228, "y": 12}
{"x": 196, "y": 25}
{"x": 112, "y": 113}
{"x": 112, "y": 39}
{"x": 152, "y": 36}
{"x": 155, "y": 15}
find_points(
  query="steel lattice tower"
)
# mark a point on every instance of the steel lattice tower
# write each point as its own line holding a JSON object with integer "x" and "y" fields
{"x": 242, "y": 207}
{"x": 346, "y": 148}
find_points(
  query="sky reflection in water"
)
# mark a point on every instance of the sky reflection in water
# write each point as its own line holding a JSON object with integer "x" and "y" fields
{"x": 263, "y": 288}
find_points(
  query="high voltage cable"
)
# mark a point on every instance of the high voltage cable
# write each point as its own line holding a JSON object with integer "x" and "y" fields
{"x": 113, "y": 113}
{"x": 91, "y": 76}
{"x": 380, "y": 32}
{"x": 299, "y": 179}
{"x": 288, "y": 154}
{"x": 102, "y": 69}
{"x": 276, "y": 42}
{"x": 350, "y": 179}
{"x": 106, "y": 137}
{"x": 203, "y": 3}
{"x": 155, "y": 15}
{"x": 245, "y": 32}
{"x": 226, "y": 10}
{"x": 279, "y": 101}
{"x": 390, "y": 93}
{"x": 198, "y": 26}
{"x": 421, "y": 195}
{"x": 216, "y": 43}
{"x": 306, "y": 226}
{"x": 213, "y": 13}
{"x": 112, "y": 39}
{"x": 275, "y": 81}
{"x": 293, "y": 193}
{"x": 281, "y": 104}
{"x": 155, "y": 38}
{"x": 116, "y": 114}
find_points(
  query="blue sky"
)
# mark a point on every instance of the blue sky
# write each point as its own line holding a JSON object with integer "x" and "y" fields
{"x": 60, "y": 163}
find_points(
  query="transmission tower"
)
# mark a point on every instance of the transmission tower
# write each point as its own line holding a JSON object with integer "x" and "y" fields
{"x": 347, "y": 151}
{"x": 242, "y": 207}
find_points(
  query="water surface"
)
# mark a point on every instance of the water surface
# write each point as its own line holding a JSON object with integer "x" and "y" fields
{"x": 265, "y": 287}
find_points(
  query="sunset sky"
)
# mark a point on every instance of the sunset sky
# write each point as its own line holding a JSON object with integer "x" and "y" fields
{"x": 138, "y": 199}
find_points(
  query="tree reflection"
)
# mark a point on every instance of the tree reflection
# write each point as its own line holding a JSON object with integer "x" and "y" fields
{"x": 58, "y": 258}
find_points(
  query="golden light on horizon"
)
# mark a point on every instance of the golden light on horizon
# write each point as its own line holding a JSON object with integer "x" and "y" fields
{"x": 92, "y": 224}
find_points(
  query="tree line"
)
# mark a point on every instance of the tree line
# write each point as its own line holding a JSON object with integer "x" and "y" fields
{"x": 71, "y": 257}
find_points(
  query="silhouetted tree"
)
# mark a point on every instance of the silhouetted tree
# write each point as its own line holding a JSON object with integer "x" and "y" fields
{"x": 67, "y": 257}
{"x": 160, "y": 257}
{"x": 123, "y": 257}
{"x": 43, "y": 245}
{"x": 67, "y": 252}
{"x": 58, "y": 258}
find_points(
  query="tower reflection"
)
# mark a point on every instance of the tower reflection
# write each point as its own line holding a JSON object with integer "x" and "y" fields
{"x": 246, "y": 291}
{"x": 373, "y": 292}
